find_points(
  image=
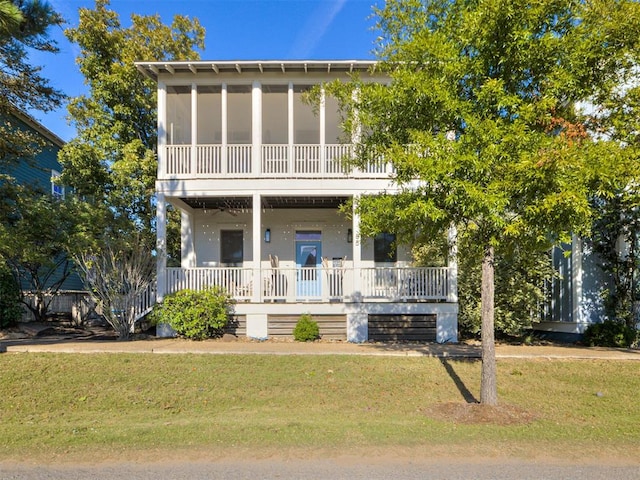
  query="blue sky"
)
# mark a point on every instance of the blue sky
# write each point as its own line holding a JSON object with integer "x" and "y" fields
{"x": 235, "y": 30}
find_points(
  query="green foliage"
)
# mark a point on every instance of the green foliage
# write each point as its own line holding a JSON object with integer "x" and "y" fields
{"x": 195, "y": 314}
{"x": 520, "y": 279}
{"x": 480, "y": 109}
{"x": 113, "y": 161}
{"x": 617, "y": 222}
{"x": 38, "y": 235}
{"x": 610, "y": 333}
{"x": 10, "y": 310}
{"x": 306, "y": 329}
{"x": 24, "y": 28}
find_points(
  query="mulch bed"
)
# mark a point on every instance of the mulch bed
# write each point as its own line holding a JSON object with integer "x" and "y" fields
{"x": 479, "y": 414}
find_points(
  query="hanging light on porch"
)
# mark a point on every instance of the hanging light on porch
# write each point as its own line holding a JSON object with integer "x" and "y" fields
{"x": 267, "y": 235}
{"x": 349, "y": 235}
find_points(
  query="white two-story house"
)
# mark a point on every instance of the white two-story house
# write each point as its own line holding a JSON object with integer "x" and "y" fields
{"x": 259, "y": 177}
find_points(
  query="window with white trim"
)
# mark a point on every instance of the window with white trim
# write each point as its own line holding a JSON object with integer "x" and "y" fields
{"x": 57, "y": 190}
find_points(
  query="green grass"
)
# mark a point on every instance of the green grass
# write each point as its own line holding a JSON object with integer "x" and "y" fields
{"x": 55, "y": 404}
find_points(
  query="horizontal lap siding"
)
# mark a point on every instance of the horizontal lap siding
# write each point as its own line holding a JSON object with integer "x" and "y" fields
{"x": 402, "y": 328}
{"x": 331, "y": 326}
{"x": 237, "y": 326}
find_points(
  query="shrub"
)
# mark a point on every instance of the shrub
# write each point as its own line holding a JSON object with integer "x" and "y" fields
{"x": 195, "y": 314}
{"x": 10, "y": 309}
{"x": 306, "y": 330}
{"x": 610, "y": 334}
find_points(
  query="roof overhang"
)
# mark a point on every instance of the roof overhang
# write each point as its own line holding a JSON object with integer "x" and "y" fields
{"x": 36, "y": 125}
{"x": 154, "y": 69}
{"x": 236, "y": 204}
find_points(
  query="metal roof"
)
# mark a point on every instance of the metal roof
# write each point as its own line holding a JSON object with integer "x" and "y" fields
{"x": 153, "y": 69}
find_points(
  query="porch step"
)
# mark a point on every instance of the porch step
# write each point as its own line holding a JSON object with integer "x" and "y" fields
{"x": 332, "y": 327}
{"x": 391, "y": 328}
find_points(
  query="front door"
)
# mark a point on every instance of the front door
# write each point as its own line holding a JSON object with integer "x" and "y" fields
{"x": 308, "y": 260}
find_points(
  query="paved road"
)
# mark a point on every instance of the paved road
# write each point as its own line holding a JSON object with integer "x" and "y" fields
{"x": 328, "y": 469}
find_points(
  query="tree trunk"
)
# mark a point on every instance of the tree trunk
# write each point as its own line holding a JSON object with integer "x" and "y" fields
{"x": 488, "y": 381}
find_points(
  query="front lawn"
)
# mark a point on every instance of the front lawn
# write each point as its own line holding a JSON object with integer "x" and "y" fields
{"x": 152, "y": 405}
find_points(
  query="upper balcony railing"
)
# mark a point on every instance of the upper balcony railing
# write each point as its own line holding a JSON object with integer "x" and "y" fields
{"x": 275, "y": 160}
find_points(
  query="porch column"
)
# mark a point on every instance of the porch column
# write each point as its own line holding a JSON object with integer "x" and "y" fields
{"x": 323, "y": 135}
{"x": 356, "y": 252}
{"x": 576, "y": 279}
{"x": 162, "y": 129}
{"x": 256, "y": 295}
{"x": 256, "y": 128}
{"x": 452, "y": 263}
{"x": 187, "y": 246}
{"x": 290, "y": 128}
{"x": 223, "y": 127}
{"x": 194, "y": 130}
{"x": 161, "y": 247}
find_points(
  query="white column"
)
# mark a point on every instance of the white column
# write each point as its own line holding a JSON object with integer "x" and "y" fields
{"x": 322, "y": 115}
{"x": 257, "y": 248}
{"x": 256, "y": 127}
{"x": 187, "y": 244}
{"x": 290, "y": 126}
{"x": 452, "y": 263}
{"x": 161, "y": 247}
{"x": 223, "y": 127}
{"x": 194, "y": 129}
{"x": 576, "y": 279}
{"x": 356, "y": 251}
{"x": 162, "y": 129}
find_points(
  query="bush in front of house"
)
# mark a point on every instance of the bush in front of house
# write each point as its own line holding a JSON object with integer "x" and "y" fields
{"x": 10, "y": 309}
{"x": 196, "y": 315}
{"x": 610, "y": 334}
{"x": 306, "y": 330}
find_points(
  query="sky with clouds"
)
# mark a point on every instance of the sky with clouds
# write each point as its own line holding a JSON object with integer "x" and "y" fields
{"x": 235, "y": 30}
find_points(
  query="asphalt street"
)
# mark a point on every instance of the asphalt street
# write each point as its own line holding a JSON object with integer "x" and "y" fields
{"x": 333, "y": 469}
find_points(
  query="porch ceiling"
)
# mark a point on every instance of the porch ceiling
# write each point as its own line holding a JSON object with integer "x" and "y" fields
{"x": 274, "y": 202}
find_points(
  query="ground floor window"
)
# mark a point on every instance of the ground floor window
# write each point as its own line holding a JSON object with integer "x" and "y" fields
{"x": 231, "y": 247}
{"x": 384, "y": 248}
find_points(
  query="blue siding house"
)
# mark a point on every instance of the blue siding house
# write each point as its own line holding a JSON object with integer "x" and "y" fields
{"x": 40, "y": 172}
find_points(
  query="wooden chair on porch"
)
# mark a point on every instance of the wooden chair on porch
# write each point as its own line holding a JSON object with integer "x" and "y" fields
{"x": 278, "y": 280}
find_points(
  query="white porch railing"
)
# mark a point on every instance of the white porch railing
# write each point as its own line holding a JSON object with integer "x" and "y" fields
{"x": 277, "y": 160}
{"x": 321, "y": 284}
{"x": 237, "y": 281}
{"x": 145, "y": 301}
{"x": 210, "y": 160}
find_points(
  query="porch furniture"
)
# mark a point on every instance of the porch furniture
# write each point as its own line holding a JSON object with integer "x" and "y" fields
{"x": 278, "y": 280}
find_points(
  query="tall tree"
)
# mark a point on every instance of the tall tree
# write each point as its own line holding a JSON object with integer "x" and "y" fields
{"x": 24, "y": 26}
{"x": 480, "y": 108}
{"x": 38, "y": 232}
{"x": 112, "y": 162}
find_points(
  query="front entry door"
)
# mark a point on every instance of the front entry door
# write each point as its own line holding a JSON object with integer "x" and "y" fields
{"x": 308, "y": 260}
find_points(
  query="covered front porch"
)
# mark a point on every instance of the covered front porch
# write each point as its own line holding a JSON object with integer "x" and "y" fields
{"x": 292, "y": 254}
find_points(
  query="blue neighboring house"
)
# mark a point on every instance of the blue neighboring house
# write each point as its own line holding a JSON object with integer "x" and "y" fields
{"x": 41, "y": 172}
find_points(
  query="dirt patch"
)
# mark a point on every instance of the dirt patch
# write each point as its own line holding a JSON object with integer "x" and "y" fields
{"x": 479, "y": 414}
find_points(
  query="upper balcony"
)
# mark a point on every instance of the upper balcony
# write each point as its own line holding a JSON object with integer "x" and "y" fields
{"x": 274, "y": 160}
{"x": 254, "y": 119}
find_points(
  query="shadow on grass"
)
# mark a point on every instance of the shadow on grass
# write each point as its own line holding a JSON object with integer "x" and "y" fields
{"x": 462, "y": 388}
